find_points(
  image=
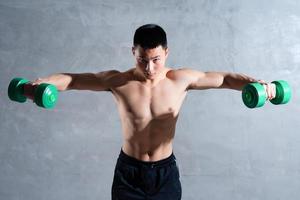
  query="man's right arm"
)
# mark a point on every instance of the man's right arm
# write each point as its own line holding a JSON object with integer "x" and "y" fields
{"x": 82, "y": 81}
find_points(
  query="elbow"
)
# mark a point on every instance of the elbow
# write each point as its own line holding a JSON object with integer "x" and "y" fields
{"x": 230, "y": 83}
{"x": 226, "y": 82}
{"x": 69, "y": 82}
{"x": 71, "y": 85}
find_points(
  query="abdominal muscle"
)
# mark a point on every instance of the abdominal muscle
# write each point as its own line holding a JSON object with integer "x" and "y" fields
{"x": 150, "y": 140}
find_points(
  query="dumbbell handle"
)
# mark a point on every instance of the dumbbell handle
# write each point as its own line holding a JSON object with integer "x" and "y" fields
{"x": 29, "y": 90}
{"x": 265, "y": 86}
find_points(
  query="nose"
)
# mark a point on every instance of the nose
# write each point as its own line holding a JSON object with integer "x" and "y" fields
{"x": 149, "y": 66}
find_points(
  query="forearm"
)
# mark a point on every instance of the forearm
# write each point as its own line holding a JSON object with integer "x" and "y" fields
{"x": 62, "y": 81}
{"x": 236, "y": 81}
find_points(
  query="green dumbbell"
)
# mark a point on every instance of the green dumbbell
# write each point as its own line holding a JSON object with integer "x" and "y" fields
{"x": 44, "y": 95}
{"x": 254, "y": 94}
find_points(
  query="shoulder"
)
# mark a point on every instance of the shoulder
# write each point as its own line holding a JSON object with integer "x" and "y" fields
{"x": 184, "y": 73}
{"x": 117, "y": 78}
{"x": 115, "y": 74}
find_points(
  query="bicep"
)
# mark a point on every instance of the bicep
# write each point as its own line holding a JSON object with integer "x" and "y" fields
{"x": 205, "y": 80}
{"x": 93, "y": 81}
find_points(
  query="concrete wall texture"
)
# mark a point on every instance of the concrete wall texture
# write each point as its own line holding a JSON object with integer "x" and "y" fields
{"x": 224, "y": 150}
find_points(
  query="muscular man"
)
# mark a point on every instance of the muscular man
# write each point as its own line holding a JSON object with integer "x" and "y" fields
{"x": 149, "y": 97}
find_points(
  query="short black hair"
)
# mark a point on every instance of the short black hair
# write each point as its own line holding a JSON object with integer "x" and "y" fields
{"x": 150, "y": 36}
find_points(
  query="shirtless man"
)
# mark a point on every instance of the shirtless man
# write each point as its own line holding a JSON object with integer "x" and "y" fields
{"x": 149, "y": 97}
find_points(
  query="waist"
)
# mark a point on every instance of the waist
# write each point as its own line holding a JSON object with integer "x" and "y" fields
{"x": 146, "y": 150}
{"x": 123, "y": 157}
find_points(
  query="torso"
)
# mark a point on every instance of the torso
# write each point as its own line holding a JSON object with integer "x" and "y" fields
{"x": 148, "y": 114}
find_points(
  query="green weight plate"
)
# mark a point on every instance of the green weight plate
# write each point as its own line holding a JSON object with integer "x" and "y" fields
{"x": 46, "y": 95}
{"x": 254, "y": 95}
{"x": 16, "y": 89}
{"x": 283, "y": 92}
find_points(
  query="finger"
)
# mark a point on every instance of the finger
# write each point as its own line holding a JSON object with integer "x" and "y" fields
{"x": 273, "y": 90}
{"x": 37, "y": 81}
{"x": 267, "y": 90}
{"x": 265, "y": 85}
{"x": 262, "y": 82}
{"x": 270, "y": 91}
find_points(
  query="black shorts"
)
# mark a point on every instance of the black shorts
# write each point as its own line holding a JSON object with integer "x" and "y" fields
{"x": 135, "y": 179}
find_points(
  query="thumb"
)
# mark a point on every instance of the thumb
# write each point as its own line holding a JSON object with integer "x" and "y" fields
{"x": 262, "y": 82}
{"x": 37, "y": 81}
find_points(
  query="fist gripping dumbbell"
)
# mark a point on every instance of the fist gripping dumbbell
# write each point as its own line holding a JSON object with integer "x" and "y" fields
{"x": 254, "y": 94}
{"x": 44, "y": 95}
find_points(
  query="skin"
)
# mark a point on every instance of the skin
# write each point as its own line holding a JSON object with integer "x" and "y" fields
{"x": 149, "y": 97}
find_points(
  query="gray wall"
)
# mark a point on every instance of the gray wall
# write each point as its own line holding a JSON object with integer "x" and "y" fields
{"x": 224, "y": 150}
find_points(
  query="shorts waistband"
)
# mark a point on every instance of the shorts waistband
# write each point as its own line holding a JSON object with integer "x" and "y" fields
{"x": 133, "y": 161}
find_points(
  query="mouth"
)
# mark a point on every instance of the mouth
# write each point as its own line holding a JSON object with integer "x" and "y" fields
{"x": 146, "y": 74}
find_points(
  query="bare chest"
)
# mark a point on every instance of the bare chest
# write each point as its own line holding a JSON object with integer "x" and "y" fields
{"x": 137, "y": 101}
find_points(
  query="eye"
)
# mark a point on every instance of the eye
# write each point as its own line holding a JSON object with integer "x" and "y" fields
{"x": 141, "y": 60}
{"x": 156, "y": 59}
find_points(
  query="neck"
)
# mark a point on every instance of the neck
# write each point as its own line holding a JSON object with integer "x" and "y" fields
{"x": 149, "y": 82}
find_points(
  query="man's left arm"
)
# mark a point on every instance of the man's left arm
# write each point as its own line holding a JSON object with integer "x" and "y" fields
{"x": 197, "y": 80}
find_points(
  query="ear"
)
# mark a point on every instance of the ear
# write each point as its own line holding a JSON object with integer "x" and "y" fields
{"x": 133, "y": 50}
{"x": 167, "y": 52}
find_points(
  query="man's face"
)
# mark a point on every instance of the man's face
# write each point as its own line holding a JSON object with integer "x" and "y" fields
{"x": 150, "y": 62}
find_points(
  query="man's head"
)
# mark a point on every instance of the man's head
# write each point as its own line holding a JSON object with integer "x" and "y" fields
{"x": 150, "y": 50}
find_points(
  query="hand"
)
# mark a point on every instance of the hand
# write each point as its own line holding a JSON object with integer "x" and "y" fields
{"x": 270, "y": 89}
{"x": 38, "y": 81}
